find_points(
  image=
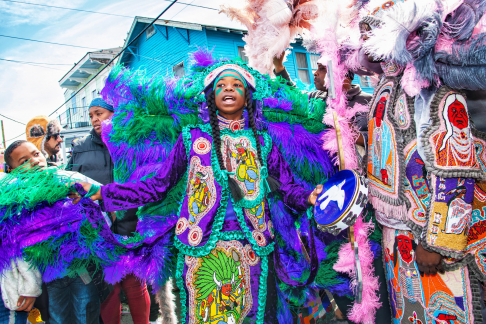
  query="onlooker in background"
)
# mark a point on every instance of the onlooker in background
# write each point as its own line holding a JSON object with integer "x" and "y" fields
{"x": 71, "y": 299}
{"x": 90, "y": 157}
{"x": 44, "y": 133}
{"x": 354, "y": 94}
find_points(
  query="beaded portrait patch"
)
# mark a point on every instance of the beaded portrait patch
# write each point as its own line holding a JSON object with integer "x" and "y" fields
{"x": 241, "y": 158}
{"x": 450, "y": 215}
{"x": 416, "y": 186}
{"x": 201, "y": 190}
{"x": 385, "y": 156}
{"x": 257, "y": 217}
{"x": 476, "y": 238}
{"x": 219, "y": 285}
{"x": 423, "y": 299}
{"x": 448, "y": 141}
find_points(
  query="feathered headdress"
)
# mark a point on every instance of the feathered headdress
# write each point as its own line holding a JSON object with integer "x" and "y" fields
{"x": 437, "y": 42}
{"x": 460, "y": 52}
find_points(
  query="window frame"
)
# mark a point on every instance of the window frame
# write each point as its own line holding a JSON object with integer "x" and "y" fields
{"x": 84, "y": 104}
{"x": 147, "y": 35}
{"x": 237, "y": 46}
{"x": 309, "y": 67}
{"x": 179, "y": 64}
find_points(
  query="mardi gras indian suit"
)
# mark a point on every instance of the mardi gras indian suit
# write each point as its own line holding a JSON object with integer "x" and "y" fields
{"x": 432, "y": 187}
{"x": 225, "y": 247}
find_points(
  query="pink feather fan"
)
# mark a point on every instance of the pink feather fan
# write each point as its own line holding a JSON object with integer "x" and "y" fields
{"x": 272, "y": 25}
{"x": 333, "y": 36}
{"x": 365, "y": 312}
{"x": 330, "y": 32}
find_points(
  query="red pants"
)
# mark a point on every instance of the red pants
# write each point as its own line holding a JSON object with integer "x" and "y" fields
{"x": 138, "y": 301}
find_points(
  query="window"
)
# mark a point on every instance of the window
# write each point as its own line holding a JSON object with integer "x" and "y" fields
{"x": 83, "y": 104}
{"x": 313, "y": 59}
{"x": 73, "y": 104}
{"x": 150, "y": 32}
{"x": 302, "y": 67}
{"x": 179, "y": 70}
{"x": 241, "y": 54}
{"x": 94, "y": 95}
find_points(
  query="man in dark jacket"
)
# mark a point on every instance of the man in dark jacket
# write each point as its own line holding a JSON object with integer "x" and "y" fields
{"x": 91, "y": 157}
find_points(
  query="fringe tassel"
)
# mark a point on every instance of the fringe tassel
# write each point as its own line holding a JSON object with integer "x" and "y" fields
{"x": 398, "y": 212}
{"x": 365, "y": 312}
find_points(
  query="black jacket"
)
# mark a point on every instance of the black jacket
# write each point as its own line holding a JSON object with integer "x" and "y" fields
{"x": 91, "y": 158}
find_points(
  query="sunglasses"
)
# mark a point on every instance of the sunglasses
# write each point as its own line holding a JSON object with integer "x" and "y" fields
{"x": 55, "y": 135}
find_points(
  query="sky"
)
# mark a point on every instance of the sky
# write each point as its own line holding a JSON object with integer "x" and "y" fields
{"x": 29, "y": 90}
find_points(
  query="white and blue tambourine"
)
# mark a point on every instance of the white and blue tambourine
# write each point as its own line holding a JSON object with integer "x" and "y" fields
{"x": 342, "y": 200}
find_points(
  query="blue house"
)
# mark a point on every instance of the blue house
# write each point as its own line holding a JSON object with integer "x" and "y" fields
{"x": 164, "y": 48}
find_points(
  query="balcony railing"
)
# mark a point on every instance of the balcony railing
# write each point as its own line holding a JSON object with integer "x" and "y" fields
{"x": 74, "y": 118}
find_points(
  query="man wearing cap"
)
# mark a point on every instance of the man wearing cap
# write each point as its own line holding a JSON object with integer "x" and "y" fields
{"x": 44, "y": 133}
{"x": 91, "y": 157}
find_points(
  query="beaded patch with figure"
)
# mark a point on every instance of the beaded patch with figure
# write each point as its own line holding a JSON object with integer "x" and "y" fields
{"x": 423, "y": 299}
{"x": 241, "y": 158}
{"x": 200, "y": 190}
{"x": 448, "y": 141}
{"x": 385, "y": 153}
{"x": 416, "y": 187}
{"x": 219, "y": 284}
{"x": 450, "y": 215}
{"x": 257, "y": 217}
{"x": 476, "y": 239}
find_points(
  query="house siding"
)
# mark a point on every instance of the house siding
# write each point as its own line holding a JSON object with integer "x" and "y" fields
{"x": 157, "y": 55}
{"x": 225, "y": 44}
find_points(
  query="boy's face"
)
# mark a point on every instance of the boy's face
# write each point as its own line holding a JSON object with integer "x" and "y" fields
{"x": 230, "y": 96}
{"x": 27, "y": 156}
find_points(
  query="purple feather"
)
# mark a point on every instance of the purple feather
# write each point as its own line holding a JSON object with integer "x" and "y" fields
{"x": 202, "y": 58}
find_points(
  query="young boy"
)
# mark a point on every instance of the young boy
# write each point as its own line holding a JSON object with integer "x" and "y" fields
{"x": 70, "y": 299}
{"x": 19, "y": 287}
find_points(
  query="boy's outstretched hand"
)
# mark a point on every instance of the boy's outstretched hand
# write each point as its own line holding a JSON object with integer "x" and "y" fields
{"x": 313, "y": 196}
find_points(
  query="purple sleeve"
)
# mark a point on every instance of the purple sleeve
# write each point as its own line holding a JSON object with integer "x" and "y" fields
{"x": 294, "y": 196}
{"x": 135, "y": 194}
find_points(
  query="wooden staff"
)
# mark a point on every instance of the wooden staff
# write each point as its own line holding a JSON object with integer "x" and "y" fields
{"x": 342, "y": 166}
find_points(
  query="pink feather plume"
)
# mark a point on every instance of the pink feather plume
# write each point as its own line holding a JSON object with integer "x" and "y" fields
{"x": 272, "y": 26}
{"x": 349, "y": 135}
{"x": 329, "y": 38}
{"x": 364, "y": 312}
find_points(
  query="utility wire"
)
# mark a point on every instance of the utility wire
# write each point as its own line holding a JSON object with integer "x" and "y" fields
{"x": 120, "y": 53}
{"x": 32, "y": 64}
{"x": 182, "y": 9}
{"x": 35, "y": 62}
{"x": 38, "y": 41}
{"x": 12, "y": 119}
{"x": 97, "y": 12}
{"x": 193, "y": 5}
{"x": 23, "y": 133}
